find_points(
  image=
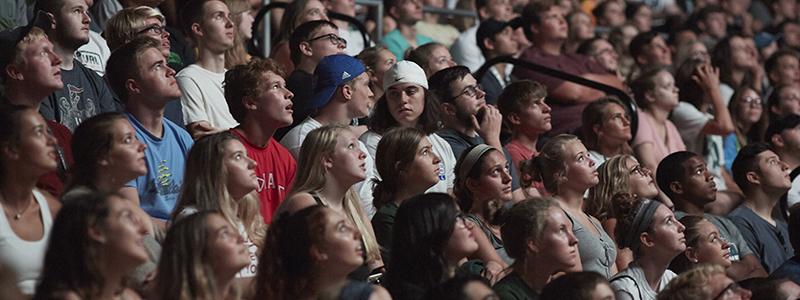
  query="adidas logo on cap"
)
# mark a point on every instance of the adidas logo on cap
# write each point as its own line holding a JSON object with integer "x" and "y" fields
{"x": 345, "y": 75}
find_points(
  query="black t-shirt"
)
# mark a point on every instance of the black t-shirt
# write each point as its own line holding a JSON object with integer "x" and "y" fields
{"x": 83, "y": 96}
{"x": 301, "y": 83}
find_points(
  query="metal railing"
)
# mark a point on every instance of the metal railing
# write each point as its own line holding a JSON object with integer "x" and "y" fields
{"x": 610, "y": 90}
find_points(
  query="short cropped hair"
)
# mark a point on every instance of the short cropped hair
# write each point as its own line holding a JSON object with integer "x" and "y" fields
{"x": 191, "y": 13}
{"x": 124, "y": 64}
{"x": 746, "y": 161}
{"x": 245, "y": 80}
{"x": 126, "y": 24}
{"x": 33, "y": 35}
{"x": 519, "y": 94}
{"x": 531, "y": 14}
{"x": 440, "y": 82}
{"x": 303, "y": 33}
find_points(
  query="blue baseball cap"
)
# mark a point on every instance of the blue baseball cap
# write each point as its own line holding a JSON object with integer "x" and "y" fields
{"x": 331, "y": 72}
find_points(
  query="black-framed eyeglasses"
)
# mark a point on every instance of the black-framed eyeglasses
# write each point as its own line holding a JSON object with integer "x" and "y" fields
{"x": 731, "y": 288}
{"x": 335, "y": 39}
{"x": 155, "y": 29}
{"x": 470, "y": 91}
{"x": 752, "y": 101}
{"x": 641, "y": 170}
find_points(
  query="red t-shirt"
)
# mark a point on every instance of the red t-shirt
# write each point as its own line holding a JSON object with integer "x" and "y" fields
{"x": 276, "y": 169}
{"x": 53, "y": 182}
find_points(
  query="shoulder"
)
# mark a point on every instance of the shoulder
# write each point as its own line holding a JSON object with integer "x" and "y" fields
{"x": 297, "y": 202}
{"x": 379, "y": 293}
{"x": 52, "y": 202}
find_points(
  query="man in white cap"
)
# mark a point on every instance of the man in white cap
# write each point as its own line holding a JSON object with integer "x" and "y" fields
{"x": 341, "y": 94}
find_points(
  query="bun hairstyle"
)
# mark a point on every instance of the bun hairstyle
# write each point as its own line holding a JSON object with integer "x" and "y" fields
{"x": 549, "y": 166}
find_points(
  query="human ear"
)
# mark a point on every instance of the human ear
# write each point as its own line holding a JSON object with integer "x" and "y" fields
{"x": 691, "y": 254}
{"x": 249, "y": 103}
{"x": 132, "y": 86}
{"x": 753, "y": 177}
{"x": 514, "y": 118}
{"x": 646, "y": 240}
{"x": 13, "y": 72}
{"x": 97, "y": 235}
{"x": 676, "y": 187}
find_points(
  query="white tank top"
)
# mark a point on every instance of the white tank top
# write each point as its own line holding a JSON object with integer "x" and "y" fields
{"x": 25, "y": 257}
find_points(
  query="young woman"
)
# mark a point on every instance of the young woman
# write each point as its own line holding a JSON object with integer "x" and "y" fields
{"x": 243, "y": 21}
{"x": 202, "y": 254}
{"x": 567, "y": 172}
{"x": 97, "y": 240}
{"x": 432, "y": 57}
{"x": 704, "y": 245}
{"x": 654, "y": 235}
{"x": 657, "y": 136}
{"x": 463, "y": 287}
{"x": 107, "y": 156}
{"x": 298, "y": 12}
{"x": 378, "y": 61}
{"x": 606, "y": 129}
{"x": 431, "y": 239}
{"x": 538, "y": 235}
{"x": 408, "y": 167}
{"x": 578, "y": 286}
{"x": 310, "y": 252}
{"x": 330, "y": 163}
{"x": 749, "y": 119}
{"x": 620, "y": 174}
{"x": 27, "y": 151}
{"x": 581, "y": 29}
{"x": 220, "y": 177}
{"x": 483, "y": 187}
{"x": 408, "y": 103}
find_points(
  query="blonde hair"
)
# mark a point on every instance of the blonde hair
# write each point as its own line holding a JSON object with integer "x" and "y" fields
{"x": 237, "y": 55}
{"x": 613, "y": 176}
{"x": 311, "y": 177}
{"x": 550, "y": 165}
{"x": 204, "y": 187}
{"x": 35, "y": 34}
{"x": 692, "y": 285}
{"x": 126, "y": 24}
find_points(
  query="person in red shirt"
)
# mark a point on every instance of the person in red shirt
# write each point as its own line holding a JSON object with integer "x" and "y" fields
{"x": 259, "y": 100}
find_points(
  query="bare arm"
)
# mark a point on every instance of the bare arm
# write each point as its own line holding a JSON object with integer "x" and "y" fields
{"x": 644, "y": 153}
{"x": 486, "y": 252}
{"x": 200, "y": 129}
{"x": 747, "y": 267}
{"x": 708, "y": 78}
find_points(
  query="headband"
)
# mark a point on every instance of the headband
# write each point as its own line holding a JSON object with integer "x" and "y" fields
{"x": 471, "y": 159}
{"x": 641, "y": 221}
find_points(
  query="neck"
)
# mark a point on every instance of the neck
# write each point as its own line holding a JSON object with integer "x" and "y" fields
{"x": 333, "y": 113}
{"x": 456, "y": 125}
{"x": 501, "y": 69}
{"x": 688, "y": 207}
{"x": 549, "y": 47}
{"x": 255, "y": 132}
{"x": 150, "y": 117}
{"x": 325, "y": 280}
{"x": 529, "y": 140}
{"x": 653, "y": 268}
{"x": 67, "y": 56}
{"x": 112, "y": 278}
{"x": 737, "y": 75}
{"x": 659, "y": 115}
{"x": 307, "y": 65}
{"x": 408, "y": 31}
{"x": 789, "y": 158}
{"x": 109, "y": 182}
{"x": 608, "y": 148}
{"x": 211, "y": 60}
{"x": 534, "y": 277}
{"x": 572, "y": 200}
{"x": 452, "y": 266}
{"x": 334, "y": 192}
{"x": 19, "y": 93}
{"x": 17, "y": 191}
{"x": 761, "y": 202}
{"x": 404, "y": 193}
{"x": 224, "y": 286}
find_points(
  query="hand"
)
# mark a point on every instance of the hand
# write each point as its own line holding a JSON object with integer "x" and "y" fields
{"x": 489, "y": 127}
{"x": 707, "y": 76}
{"x": 493, "y": 271}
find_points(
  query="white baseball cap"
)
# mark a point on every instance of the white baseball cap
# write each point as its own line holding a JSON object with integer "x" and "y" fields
{"x": 404, "y": 72}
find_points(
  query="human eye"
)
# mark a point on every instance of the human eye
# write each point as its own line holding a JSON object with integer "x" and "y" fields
{"x": 411, "y": 91}
{"x": 351, "y": 146}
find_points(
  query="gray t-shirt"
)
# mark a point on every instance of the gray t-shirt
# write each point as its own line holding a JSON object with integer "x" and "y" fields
{"x": 460, "y": 142}
{"x": 769, "y": 242}
{"x": 598, "y": 253}
{"x": 83, "y": 96}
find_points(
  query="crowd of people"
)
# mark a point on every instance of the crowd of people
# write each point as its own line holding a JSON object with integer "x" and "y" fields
{"x": 161, "y": 157}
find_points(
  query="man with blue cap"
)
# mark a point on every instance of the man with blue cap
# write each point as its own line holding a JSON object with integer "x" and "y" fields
{"x": 341, "y": 94}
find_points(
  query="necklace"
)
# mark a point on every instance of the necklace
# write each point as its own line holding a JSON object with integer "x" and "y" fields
{"x": 19, "y": 213}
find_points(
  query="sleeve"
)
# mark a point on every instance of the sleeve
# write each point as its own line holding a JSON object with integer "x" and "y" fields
{"x": 729, "y": 146}
{"x": 623, "y": 287}
{"x": 450, "y": 168}
{"x": 108, "y": 102}
{"x": 689, "y": 120}
{"x": 47, "y": 109}
{"x": 644, "y": 130}
{"x": 192, "y": 102}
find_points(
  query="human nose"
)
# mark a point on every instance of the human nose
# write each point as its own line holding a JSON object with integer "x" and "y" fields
{"x": 362, "y": 155}
{"x": 142, "y": 146}
{"x": 571, "y": 238}
{"x": 436, "y": 159}
{"x": 251, "y": 164}
{"x": 164, "y": 33}
{"x": 506, "y": 176}
{"x": 55, "y": 59}
{"x": 86, "y": 18}
{"x": 289, "y": 94}
{"x": 681, "y": 228}
{"x": 170, "y": 72}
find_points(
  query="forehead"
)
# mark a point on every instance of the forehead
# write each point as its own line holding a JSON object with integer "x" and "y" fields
{"x": 693, "y": 163}
{"x": 234, "y": 145}
{"x": 313, "y": 4}
{"x": 493, "y": 158}
{"x": 662, "y": 212}
{"x": 35, "y": 46}
{"x": 768, "y": 154}
{"x": 403, "y": 86}
{"x": 602, "y": 44}
{"x": 150, "y": 56}
{"x": 213, "y": 7}
{"x": 68, "y": 4}
{"x": 440, "y": 51}
{"x": 463, "y": 82}
{"x": 269, "y": 76}
{"x": 323, "y": 30}
{"x": 705, "y": 228}
{"x": 574, "y": 147}
{"x": 152, "y": 21}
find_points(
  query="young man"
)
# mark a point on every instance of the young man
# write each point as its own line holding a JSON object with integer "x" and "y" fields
{"x": 684, "y": 178}
{"x": 406, "y": 13}
{"x": 601, "y": 51}
{"x": 496, "y": 38}
{"x": 524, "y": 110}
{"x": 545, "y": 26}
{"x": 84, "y": 94}
{"x": 144, "y": 21}
{"x": 309, "y": 43}
{"x": 139, "y": 74}
{"x": 711, "y": 25}
{"x": 465, "y": 49}
{"x": 783, "y": 67}
{"x": 764, "y": 178}
{"x": 649, "y": 49}
{"x": 341, "y": 94}
{"x": 259, "y": 100}
{"x": 783, "y": 135}
{"x": 31, "y": 70}
{"x": 208, "y": 23}
{"x": 468, "y": 120}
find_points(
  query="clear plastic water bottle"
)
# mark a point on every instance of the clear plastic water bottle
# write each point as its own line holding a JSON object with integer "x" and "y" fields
{"x": 733, "y": 251}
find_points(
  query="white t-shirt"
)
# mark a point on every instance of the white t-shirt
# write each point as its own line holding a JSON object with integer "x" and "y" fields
{"x": 440, "y": 147}
{"x": 630, "y": 284}
{"x": 793, "y": 196}
{"x": 203, "y": 97}
{"x": 690, "y": 122}
{"x": 294, "y": 139}
{"x": 465, "y": 49}
{"x": 355, "y": 42}
{"x": 94, "y": 54}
